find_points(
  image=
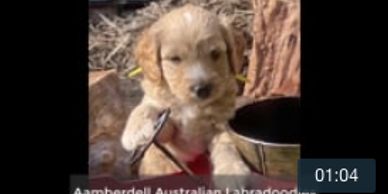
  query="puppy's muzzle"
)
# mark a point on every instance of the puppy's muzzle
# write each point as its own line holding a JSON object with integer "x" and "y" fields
{"x": 202, "y": 90}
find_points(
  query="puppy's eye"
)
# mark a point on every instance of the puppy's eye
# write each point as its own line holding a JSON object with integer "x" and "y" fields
{"x": 215, "y": 54}
{"x": 175, "y": 59}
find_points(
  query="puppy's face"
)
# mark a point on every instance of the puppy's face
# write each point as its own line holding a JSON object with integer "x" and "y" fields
{"x": 195, "y": 65}
{"x": 193, "y": 54}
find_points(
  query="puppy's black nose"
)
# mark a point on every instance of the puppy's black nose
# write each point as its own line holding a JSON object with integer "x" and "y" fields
{"x": 202, "y": 90}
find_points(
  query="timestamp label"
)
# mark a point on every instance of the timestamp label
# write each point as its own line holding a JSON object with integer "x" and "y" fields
{"x": 337, "y": 175}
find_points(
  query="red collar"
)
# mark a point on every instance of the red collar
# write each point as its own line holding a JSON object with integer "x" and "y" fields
{"x": 201, "y": 165}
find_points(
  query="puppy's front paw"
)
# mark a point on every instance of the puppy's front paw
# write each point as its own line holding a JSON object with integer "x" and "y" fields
{"x": 232, "y": 175}
{"x": 131, "y": 139}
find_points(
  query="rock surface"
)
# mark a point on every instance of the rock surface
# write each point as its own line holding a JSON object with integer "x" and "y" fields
{"x": 110, "y": 102}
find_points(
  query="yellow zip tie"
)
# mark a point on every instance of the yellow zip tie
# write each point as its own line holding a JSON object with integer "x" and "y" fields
{"x": 134, "y": 72}
{"x": 241, "y": 78}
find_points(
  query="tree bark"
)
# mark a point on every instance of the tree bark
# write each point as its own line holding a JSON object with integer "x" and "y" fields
{"x": 274, "y": 67}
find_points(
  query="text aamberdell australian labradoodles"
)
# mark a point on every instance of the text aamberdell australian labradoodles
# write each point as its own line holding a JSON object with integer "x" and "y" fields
{"x": 199, "y": 190}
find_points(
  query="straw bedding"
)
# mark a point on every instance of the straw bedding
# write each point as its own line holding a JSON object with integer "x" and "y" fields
{"x": 112, "y": 37}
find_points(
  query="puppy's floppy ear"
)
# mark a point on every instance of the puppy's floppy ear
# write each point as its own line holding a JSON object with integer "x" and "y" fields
{"x": 147, "y": 56}
{"x": 227, "y": 34}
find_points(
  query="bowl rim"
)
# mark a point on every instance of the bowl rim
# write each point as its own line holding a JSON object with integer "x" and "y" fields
{"x": 265, "y": 143}
{"x": 259, "y": 141}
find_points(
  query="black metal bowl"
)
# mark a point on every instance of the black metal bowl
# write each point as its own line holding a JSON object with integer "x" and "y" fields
{"x": 267, "y": 133}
